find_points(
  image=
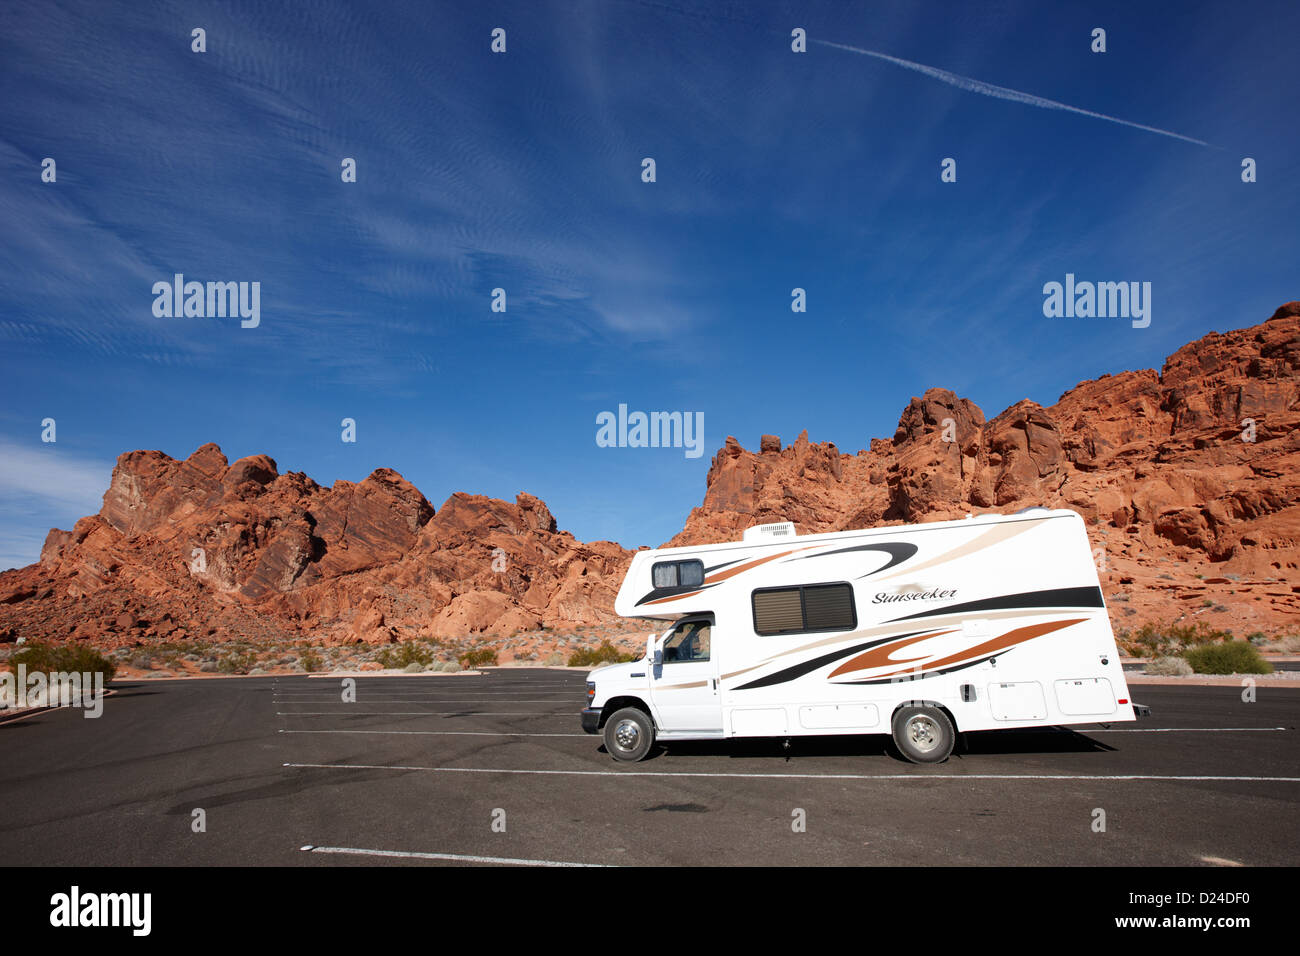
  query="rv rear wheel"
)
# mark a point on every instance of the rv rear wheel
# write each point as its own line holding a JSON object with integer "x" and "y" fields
{"x": 629, "y": 734}
{"x": 924, "y": 734}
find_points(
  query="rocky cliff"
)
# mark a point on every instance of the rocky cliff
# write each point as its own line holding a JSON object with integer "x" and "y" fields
{"x": 1187, "y": 478}
{"x": 207, "y": 549}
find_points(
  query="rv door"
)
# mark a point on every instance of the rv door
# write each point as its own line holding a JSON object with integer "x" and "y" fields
{"x": 685, "y": 683}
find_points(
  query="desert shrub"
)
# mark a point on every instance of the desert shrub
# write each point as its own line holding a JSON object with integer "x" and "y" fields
{"x": 606, "y": 653}
{"x": 479, "y": 657}
{"x": 1165, "y": 640}
{"x": 1169, "y": 667}
{"x": 52, "y": 659}
{"x": 1231, "y": 657}
{"x": 1289, "y": 644}
{"x": 448, "y": 667}
{"x": 310, "y": 660}
{"x": 1257, "y": 638}
{"x": 237, "y": 662}
{"x": 555, "y": 659}
{"x": 400, "y": 656}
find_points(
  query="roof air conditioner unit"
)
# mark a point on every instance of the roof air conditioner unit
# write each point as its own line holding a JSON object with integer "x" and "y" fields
{"x": 770, "y": 532}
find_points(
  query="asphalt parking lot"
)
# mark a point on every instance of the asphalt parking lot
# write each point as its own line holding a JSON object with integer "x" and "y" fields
{"x": 462, "y": 770}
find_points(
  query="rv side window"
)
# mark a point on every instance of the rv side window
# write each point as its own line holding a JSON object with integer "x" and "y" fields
{"x": 678, "y": 574}
{"x": 811, "y": 607}
{"x": 691, "y": 573}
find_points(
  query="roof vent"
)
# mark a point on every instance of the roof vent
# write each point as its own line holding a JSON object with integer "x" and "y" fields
{"x": 770, "y": 532}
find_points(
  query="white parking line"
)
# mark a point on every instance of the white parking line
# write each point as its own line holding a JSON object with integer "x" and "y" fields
{"x": 433, "y": 733}
{"x": 919, "y": 775}
{"x": 426, "y": 700}
{"x": 391, "y": 687}
{"x": 441, "y": 692}
{"x": 419, "y": 713}
{"x": 1182, "y": 730}
{"x": 455, "y": 857}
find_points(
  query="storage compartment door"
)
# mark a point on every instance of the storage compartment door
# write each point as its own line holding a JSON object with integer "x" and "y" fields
{"x": 1085, "y": 696}
{"x": 1019, "y": 701}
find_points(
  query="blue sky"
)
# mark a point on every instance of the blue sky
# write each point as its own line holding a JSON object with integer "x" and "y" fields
{"x": 476, "y": 170}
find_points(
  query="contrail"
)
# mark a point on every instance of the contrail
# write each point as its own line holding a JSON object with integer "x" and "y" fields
{"x": 1001, "y": 92}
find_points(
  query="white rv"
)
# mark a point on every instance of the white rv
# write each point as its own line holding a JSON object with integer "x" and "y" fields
{"x": 919, "y": 631}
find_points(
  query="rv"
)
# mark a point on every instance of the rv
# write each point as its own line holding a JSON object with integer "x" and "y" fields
{"x": 917, "y": 631}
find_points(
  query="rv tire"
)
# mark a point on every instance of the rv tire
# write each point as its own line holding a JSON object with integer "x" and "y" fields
{"x": 629, "y": 734}
{"x": 923, "y": 734}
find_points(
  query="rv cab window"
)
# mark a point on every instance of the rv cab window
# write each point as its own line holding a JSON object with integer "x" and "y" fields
{"x": 689, "y": 642}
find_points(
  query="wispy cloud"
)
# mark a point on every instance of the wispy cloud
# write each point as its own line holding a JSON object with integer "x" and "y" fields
{"x": 971, "y": 85}
{"x": 52, "y": 476}
{"x": 40, "y": 487}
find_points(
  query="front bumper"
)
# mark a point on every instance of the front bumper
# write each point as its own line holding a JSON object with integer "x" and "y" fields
{"x": 591, "y": 719}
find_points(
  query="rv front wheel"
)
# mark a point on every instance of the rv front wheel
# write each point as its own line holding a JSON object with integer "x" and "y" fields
{"x": 924, "y": 734}
{"x": 629, "y": 734}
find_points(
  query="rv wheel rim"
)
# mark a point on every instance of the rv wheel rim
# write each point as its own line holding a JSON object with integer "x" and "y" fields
{"x": 626, "y": 734}
{"x": 923, "y": 732}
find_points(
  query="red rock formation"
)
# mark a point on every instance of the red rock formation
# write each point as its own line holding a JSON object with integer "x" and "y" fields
{"x": 1155, "y": 462}
{"x": 199, "y": 548}
{"x": 1190, "y": 519}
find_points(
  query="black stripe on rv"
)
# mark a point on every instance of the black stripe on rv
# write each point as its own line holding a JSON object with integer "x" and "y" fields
{"x": 1053, "y": 597}
{"x": 807, "y": 667}
{"x": 669, "y": 592}
{"x": 898, "y": 551}
{"x": 922, "y": 675}
{"x": 724, "y": 564}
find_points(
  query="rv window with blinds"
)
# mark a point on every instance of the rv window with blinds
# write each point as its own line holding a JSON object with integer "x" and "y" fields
{"x": 810, "y": 607}
{"x": 678, "y": 574}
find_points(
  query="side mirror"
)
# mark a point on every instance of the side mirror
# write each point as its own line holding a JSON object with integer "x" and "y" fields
{"x": 653, "y": 654}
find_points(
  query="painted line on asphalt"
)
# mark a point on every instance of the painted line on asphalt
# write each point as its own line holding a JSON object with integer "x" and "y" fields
{"x": 419, "y": 713}
{"x": 407, "y": 691}
{"x": 524, "y": 713}
{"x": 469, "y": 704}
{"x": 460, "y": 707}
{"x": 1183, "y": 730}
{"x": 433, "y": 733}
{"x": 800, "y": 776}
{"x": 429, "y": 700}
{"x": 388, "y": 688}
{"x": 463, "y": 676}
{"x": 454, "y": 857}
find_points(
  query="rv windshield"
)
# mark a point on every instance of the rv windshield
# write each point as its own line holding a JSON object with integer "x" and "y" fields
{"x": 689, "y": 642}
